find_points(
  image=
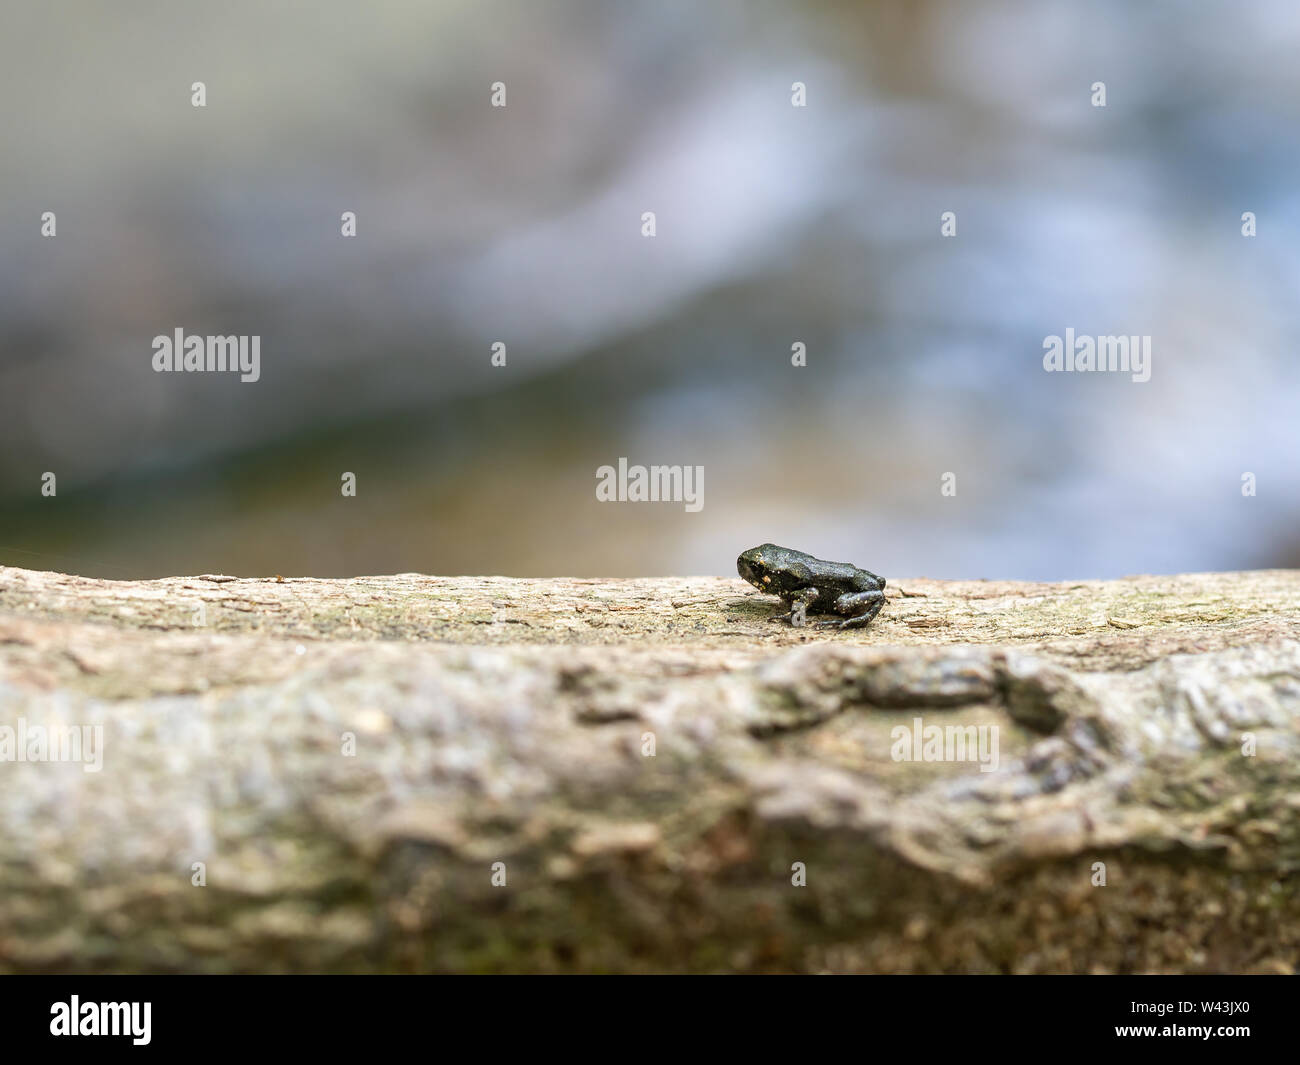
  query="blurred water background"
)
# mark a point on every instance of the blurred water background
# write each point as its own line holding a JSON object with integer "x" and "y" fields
{"x": 776, "y": 224}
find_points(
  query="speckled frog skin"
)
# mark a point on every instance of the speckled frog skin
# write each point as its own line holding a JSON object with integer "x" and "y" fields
{"x": 810, "y": 586}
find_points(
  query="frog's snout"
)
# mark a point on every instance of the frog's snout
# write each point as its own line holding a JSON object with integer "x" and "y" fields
{"x": 746, "y": 571}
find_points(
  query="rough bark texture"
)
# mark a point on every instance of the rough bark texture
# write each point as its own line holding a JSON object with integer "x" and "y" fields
{"x": 1150, "y": 724}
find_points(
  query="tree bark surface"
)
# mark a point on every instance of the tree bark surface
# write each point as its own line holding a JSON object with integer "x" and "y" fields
{"x": 413, "y": 773}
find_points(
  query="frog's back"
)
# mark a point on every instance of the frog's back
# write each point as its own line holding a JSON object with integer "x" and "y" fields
{"x": 844, "y": 576}
{"x": 843, "y": 571}
{"x": 852, "y": 577}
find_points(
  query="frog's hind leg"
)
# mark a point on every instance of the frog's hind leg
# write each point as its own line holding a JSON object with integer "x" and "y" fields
{"x": 869, "y": 603}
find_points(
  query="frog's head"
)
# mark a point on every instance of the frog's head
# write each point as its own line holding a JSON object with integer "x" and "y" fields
{"x": 757, "y": 564}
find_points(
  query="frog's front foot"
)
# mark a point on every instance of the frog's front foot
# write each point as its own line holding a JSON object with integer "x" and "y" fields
{"x": 799, "y": 604}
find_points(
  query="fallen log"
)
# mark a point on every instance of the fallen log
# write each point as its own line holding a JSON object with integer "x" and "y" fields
{"x": 414, "y": 774}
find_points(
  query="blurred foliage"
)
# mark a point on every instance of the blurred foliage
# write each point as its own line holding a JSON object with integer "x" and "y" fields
{"x": 775, "y": 224}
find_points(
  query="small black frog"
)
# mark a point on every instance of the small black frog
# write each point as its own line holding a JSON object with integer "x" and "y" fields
{"x": 810, "y": 586}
